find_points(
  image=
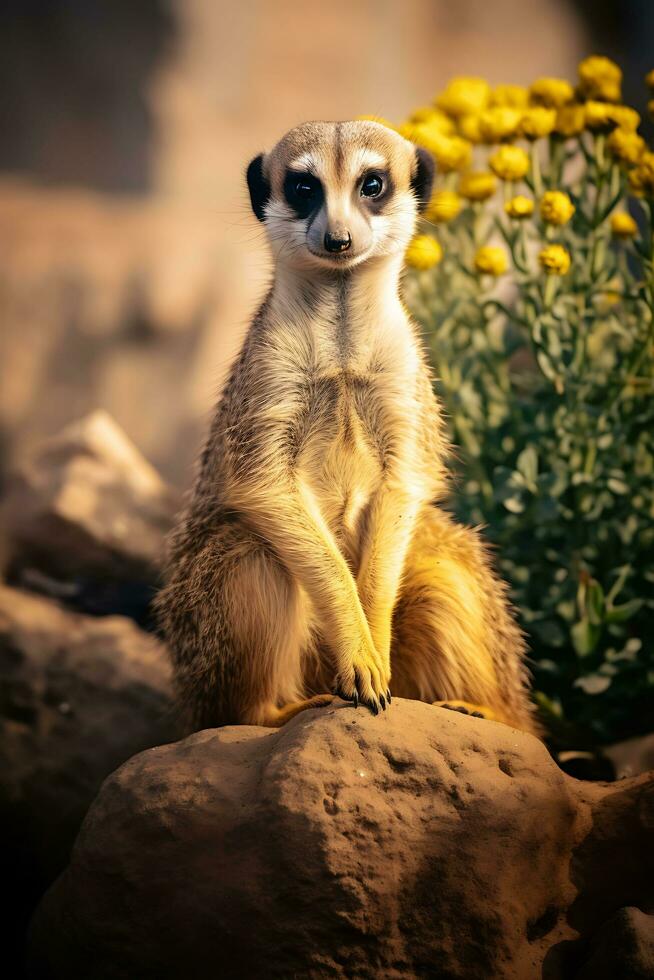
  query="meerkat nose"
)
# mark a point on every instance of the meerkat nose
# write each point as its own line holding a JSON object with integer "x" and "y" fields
{"x": 339, "y": 241}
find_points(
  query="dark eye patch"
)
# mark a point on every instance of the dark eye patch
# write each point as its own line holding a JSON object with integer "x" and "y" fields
{"x": 303, "y": 192}
{"x": 375, "y": 203}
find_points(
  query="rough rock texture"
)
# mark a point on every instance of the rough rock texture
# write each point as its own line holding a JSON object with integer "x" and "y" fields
{"x": 420, "y": 843}
{"x": 623, "y": 948}
{"x": 78, "y": 696}
{"x": 86, "y": 519}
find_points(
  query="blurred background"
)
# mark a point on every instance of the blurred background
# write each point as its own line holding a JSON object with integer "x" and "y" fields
{"x": 129, "y": 261}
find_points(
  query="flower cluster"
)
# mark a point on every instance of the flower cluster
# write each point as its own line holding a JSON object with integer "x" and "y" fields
{"x": 528, "y": 130}
{"x": 533, "y": 277}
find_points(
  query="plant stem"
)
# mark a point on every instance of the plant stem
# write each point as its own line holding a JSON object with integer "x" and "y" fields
{"x": 536, "y": 176}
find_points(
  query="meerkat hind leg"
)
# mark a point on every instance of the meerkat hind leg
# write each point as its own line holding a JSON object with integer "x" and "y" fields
{"x": 242, "y": 664}
{"x": 277, "y": 717}
{"x": 455, "y": 642}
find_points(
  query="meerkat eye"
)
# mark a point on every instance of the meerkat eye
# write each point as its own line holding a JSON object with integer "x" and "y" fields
{"x": 303, "y": 192}
{"x": 305, "y": 187}
{"x": 372, "y": 186}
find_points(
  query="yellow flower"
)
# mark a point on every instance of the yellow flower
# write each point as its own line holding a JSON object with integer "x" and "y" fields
{"x": 641, "y": 180}
{"x": 626, "y": 145}
{"x": 509, "y": 162}
{"x": 649, "y": 79}
{"x": 536, "y": 122}
{"x": 477, "y": 185}
{"x": 432, "y": 117}
{"x": 554, "y": 259}
{"x": 556, "y": 208}
{"x": 424, "y": 252}
{"x": 464, "y": 95}
{"x": 570, "y": 120}
{"x": 499, "y": 123}
{"x": 491, "y": 260}
{"x": 469, "y": 127}
{"x": 600, "y": 78}
{"x": 450, "y": 152}
{"x": 519, "y": 207}
{"x": 551, "y": 92}
{"x": 603, "y": 117}
{"x": 378, "y": 119}
{"x": 516, "y": 96}
{"x": 444, "y": 206}
{"x": 623, "y": 225}
{"x": 626, "y": 117}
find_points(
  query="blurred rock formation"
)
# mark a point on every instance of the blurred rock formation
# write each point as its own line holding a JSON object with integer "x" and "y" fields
{"x": 78, "y": 696}
{"x": 129, "y": 261}
{"x": 85, "y": 519}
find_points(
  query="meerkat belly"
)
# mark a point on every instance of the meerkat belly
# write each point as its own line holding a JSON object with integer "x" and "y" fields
{"x": 339, "y": 463}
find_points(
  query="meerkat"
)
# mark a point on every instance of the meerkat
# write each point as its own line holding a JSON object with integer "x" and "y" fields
{"x": 314, "y": 559}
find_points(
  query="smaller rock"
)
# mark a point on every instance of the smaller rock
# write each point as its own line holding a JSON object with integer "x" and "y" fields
{"x": 78, "y": 696}
{"x": 85, "y": 520}
{"x": 586, "y": 765}
{"x": 633, "y": 756}
{"x": 623, "y": 947}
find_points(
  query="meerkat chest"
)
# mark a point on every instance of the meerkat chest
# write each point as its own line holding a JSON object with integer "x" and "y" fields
{"x": 341, "y": 446}
{"x": 349, "y": 385}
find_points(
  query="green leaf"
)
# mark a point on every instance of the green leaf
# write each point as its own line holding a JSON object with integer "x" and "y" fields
{"x": 593, "y": 683}
{"x": 548, "y": 706}
{"x": 547, "y": 367}
{"x": 514, "y": 504}
{"x": 585, "y": 637}
{"x": 527, "y": 464}
{"x": 595, "y": 603}
{"x": 619, "y": 614}
{"x": 623, "y": 574}
{"x": 617, "y": 486}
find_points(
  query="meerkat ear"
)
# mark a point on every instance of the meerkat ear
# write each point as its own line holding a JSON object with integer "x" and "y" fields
{"x": 423, "y": 177}
{"x": 258, "y": 187}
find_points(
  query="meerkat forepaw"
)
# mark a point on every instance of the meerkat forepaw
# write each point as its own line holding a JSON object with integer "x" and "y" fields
{"x": 361, "y": 683}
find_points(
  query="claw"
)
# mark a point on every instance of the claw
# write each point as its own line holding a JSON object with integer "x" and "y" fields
{"x": 355, "y": 699}
{"x": 374, "y": 707}
{"x": 388, "y": 695}
{"x": 382, "y": 701}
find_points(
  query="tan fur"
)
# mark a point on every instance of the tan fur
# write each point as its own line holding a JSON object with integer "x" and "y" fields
{"x": 312, "y": 556}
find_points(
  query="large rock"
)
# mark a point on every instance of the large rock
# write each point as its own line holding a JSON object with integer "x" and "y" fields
{"x": 86, "y": 519}
{"x": 78, "y": 696}
{"x": 420, "y": 843}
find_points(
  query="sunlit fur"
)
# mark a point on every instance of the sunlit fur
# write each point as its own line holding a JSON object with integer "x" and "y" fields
{"x": 313, "y": 555}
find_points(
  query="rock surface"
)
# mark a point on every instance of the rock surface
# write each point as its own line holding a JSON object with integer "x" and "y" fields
{"x": 86, "y": 518}
{"x": 78, "y": 696}
{"x": 420, "y": 843}
{"x": 623, "y": 948}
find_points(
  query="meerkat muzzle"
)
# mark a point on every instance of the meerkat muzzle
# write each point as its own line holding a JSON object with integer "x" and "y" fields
{"x": 338, "y": 241}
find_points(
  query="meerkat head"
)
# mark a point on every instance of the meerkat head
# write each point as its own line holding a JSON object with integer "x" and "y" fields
{"x": 333, "y": 195}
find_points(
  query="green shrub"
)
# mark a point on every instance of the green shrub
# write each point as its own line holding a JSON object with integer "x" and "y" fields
{"x": 546, "y": 375}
